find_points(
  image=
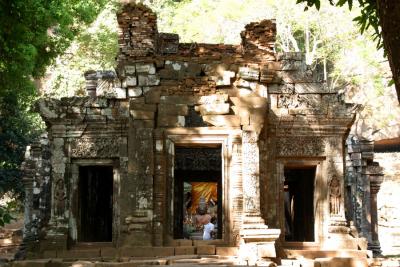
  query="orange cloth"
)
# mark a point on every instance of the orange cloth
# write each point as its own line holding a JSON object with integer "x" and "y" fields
{"x": 206, "y": 189}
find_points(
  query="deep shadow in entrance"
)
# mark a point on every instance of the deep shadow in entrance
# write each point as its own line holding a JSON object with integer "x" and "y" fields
{"x": 95, "y": 203}
{"x": 298, "y": 202}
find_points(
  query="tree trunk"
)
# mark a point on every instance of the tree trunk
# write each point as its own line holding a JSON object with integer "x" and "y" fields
{"x": 389, "y": 15}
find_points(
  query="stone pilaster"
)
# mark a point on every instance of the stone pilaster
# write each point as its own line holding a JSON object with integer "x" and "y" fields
{"x": 160, "y": 190}
{"x": 258, "y": 241}
{"x": 376, "y": 178}
{"x": 236, "y": 189}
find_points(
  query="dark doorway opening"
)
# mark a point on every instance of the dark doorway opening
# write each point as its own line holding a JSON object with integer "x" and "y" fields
{"x": 299, "y": 204}
{"x": 197, "y": 192}
{"x": 95, "y": 203}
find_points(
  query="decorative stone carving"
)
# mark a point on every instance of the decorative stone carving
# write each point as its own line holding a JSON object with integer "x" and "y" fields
{"x": 59, "y": 198}
{"x": 334, "y": 195}
{"x": 295, "y": 100}
{"x": 301, "y": 146}
{"x": 95, "y": 148}
{"x": 250, "y": 171}
{"x": 204, "y": 159}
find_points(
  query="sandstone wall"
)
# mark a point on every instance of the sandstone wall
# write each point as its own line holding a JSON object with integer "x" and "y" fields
{"x": 264, "y": 109}
{"x": 388, "y": 203}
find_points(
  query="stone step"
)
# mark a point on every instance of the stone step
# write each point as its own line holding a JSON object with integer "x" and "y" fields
{"x": 341, "y": 262}
{"x": 131, "y": 263}
{"x": 297, "y": 263}
{"x": 312, "y": 254}
{"x": 203, "y": 261}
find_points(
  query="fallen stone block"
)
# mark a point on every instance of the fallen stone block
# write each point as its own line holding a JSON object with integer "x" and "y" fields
{"x": 222, "y": 120}
{"x": 213, "y": 109}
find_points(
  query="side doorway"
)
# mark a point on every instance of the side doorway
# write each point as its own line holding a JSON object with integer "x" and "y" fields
{"x": 299, "y": 208}
{"x": 95, "y": 204}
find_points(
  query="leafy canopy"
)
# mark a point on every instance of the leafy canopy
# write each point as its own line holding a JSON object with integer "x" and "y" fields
{"x": 32, "y": 34}
{"x": 368, "y": 17}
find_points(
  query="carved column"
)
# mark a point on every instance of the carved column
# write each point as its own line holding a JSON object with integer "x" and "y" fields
{"x": 376, "y": 178}
{"x": 28, "y": 170}
{"x": 258, "y": 241}
{"x": 236, "y": 189}
{"x": 251, "y": 174}
{"x": 159, "y": 189}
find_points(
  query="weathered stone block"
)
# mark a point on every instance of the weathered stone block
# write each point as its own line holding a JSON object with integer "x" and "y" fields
{"x": 168, "y": 43}
{"x": 170, "y": 121}
{"x": 281, "y": 88}
{"x": 307, "y": 88}
{"x": 266, "y": 250}
{"x": 213, "y": 109}
{"x": 188, "y": 100}
{"x": 227, "y": 251}
{"x": 143, "y": 123}
{"x": 185, "y": 250}
{"x": 294, "y": 76}
{"x": 213, "y": 99}
{"x": 78, "y": 254}
{"x": 148, "y": 80}
{"x": 257, "y": 116}
{"x": 243, "y": 113}
{"x": 146, "y": 251}
{"x": 222, "y": 120}
{"x": 135, "y": 92}
{"x": 246, "y": 84}
{"x": 249, "y": 73}
{"x": 108, "y": 252}
{"x": 115, "y": 92}
{"x": 129, "y": 81}
{"x": 153, "y": 95}
{"x": 137, "y": 227}
{"x": 145, "y": 68}
{"x": 142, "y": 115}
{"x": 31, "y": 263}
{"x": 142, "y": 106}
{"x": 169, "y": 109}
{"x": 130, "y": 69}
{"x": 341, "y": 262}
{"x": 251, "y": 102}
{"x": 206, "y": 250}
{"x": 226, "y": 78}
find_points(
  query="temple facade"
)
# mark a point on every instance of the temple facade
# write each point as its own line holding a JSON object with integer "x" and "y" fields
{"x": 253, "y": 137}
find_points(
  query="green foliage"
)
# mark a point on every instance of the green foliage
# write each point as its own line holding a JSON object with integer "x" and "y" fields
{"x": 93, "y": 48}
{"x": 32, "y": 34}
{"x": 5, "y": 216}
{"x": 368, "y": 17}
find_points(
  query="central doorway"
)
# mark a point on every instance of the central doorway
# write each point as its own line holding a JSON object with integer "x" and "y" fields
{"x": 197, "y": 191}
{"x": 95, "y": 204}
{"x": 299, "y": 203}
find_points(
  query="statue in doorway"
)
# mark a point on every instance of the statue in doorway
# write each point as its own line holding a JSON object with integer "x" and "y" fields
{"x": 334, "y": 195}
{"x": 59, "y": 198}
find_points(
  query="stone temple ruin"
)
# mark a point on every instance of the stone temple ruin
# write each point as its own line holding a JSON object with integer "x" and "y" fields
{"x": 253, "y": 135}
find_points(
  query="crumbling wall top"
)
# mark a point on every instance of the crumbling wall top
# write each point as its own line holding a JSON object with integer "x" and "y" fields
{"x": 138, "y": 37}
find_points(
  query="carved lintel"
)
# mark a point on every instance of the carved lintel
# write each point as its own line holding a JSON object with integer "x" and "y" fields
{"x": 301, "y": 146}
{"x": 100, "y": 147}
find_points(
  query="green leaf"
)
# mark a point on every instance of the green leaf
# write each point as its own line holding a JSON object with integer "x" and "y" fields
{"x": 391, "y": 82}
{"x": 341, "y": 2}
{"x": 317, "y": 4}
{"x": 350, "y": 4}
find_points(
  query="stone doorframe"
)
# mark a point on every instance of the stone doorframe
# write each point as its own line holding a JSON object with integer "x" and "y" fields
{"x": 73, "y": 222}
{"x": 232, "y": 193}
{"x": 320, "y": 203}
